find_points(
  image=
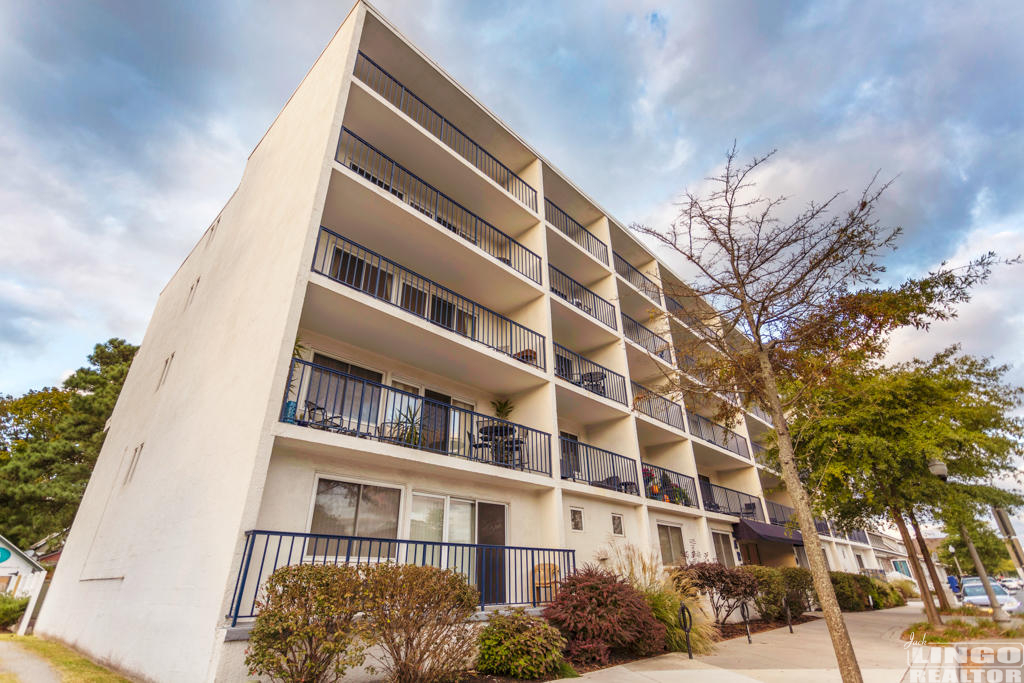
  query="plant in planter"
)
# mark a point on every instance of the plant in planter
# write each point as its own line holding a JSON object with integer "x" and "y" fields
{"x": 503, "y": 408}
{"x": 291, "y": 405}
{"x": 408, "y": 431}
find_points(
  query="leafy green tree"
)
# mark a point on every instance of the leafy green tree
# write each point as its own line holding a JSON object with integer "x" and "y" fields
{"x": 53, "y": 438}
{"x": 990, "y": 547}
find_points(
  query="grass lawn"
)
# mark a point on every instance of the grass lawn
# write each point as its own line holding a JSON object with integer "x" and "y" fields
{"x": 958, "y": 630}
{"x": 72, "y": 667}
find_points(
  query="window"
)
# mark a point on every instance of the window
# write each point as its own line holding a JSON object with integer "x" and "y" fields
{"x": 343, "y": 508}
{"x": 860, "y": 560}
{"x": 570, "y": 452}
{"x": 166, "y": 369}
{"x": 671, "y": 540}
{"x": 723, "y": 548}
{"x": 211, "y": 231}
{"x": 617, "y": 525}
{"x": 191, "y": 292}
{"x": 132, "y": 464}
{"x": 332, "y": 398}
{"x": 576, "y": 519}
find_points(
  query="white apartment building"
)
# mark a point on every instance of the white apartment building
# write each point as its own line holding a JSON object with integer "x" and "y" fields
{"x": 320, "y": 378}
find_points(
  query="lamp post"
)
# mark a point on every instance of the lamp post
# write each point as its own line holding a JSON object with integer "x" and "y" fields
{"x": 959, "y": 571}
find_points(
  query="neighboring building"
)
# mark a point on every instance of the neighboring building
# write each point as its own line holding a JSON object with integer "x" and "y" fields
{"x": 20, "y": 575}
{"x": 891, "y": 554}
{"x": 425, "y": 264}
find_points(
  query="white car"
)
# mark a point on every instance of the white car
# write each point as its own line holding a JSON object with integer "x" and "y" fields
{"x": 974, "y": 594}
{"x": 1011, "y": 584}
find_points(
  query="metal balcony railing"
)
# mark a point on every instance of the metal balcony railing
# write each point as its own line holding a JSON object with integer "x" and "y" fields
{"x": 589, "y": 375}
{"x": 344, "y": 261}
{"x": 581, "y": 297}
{"x": 679, "y": 312}
{"x": 823, "y": 527}
{"x": 654, "y": 343}
{"x": 323, "y": 398}
{"x": 760, "y": 454}
{"x": 503, "y": 574}
{"x": 576, "y": 232}
{"x": 598, "y": 467}
{"x": 689, "y": 365}
{"x": 669, "y": 486}
{"x": 714, "y": 433}
{"x": 859, "y": 536}
{"x": 653, "y": 404}
{"x": 367, "y": 161}
{"x": 779, "y": 514}
{"x": 731, "y": 502}
{"x": 757, "y": 411}
{"x": 388, "y": 87}
{"x": 637, "y": 279}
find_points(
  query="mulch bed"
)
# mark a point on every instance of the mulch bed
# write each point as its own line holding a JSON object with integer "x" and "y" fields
{"x": 730, "y": 631}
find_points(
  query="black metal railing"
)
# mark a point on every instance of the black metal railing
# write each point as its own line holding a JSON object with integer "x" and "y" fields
{"x": 823, "y": 527}
{"x": 689, "y": 365}
{"x": 589, "y": 375}
{"x": 654, "y": 343}
{"x": 388, "y": 87}
{"x": 668, "y": 485}
{"x": 598, "y": 467}
{"x": 576, "y": 232}
{"x": 730, "y": 501}
{"x": 859, "y": 536}
{"x": 779, "y": 514}
{"x": 760, "y": 454}
{"x": 368, "y": 162}
{"x": 759, "y": 412}
{"x": 680, "y": 313}
{"x": 324, "y": 398}
{"x": 653, "y": 404}
{"x": 637, "y": 279}
{"x": 581, "y": 297}
{"x": 503, "y": 574}
{"x": 344, "y": 261}
{"x": 714, "y": 433}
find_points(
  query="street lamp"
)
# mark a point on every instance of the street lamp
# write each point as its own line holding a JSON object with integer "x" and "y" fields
{"x": 939, "y": 469}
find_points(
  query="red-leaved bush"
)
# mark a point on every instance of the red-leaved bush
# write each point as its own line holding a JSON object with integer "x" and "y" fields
{"x": 599, "y": 614}
{"x": 726, "y": 588}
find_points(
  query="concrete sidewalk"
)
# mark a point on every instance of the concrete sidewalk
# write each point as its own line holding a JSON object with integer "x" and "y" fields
{"x": 25, "y": 666}
{"x": 779, "y": 656}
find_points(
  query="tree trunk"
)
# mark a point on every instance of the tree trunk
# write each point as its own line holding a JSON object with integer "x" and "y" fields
{"x": 915, "y": 568}
{"x": 841, "y": 644}
{"x": 940, "y": 593}
{"x": 998, "y": 614}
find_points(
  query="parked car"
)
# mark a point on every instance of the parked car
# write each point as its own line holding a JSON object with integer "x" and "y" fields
{"x": 974, "y": 594}
{"x": 1012, "y": 584}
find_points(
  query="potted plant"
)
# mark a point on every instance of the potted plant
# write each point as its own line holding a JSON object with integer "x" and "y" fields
{"x": 291, "y": 406}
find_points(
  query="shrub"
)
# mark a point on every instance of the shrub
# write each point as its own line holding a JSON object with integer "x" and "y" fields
{"x": 599, "y": 613}
{"x": 770, "y": 591}
{"x": 417, "y": 615}
{"x": 520, "y": 646}
{"x": 11, "y": 609}
{"x": 890, "y": 596}
{"x": 799, "y": 588}
{"x": 665, "y": 602}
{"x": 906, "y": 587}
{"x": 306, "y": 629}
{"x": 726, "y": 589}
{"x": 849, "y": 593}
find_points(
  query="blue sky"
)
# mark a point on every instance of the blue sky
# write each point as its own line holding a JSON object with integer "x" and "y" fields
{"x": 125, "y": 126}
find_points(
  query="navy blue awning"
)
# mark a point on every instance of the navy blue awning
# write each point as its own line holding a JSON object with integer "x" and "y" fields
{"x": 749, "y": 530}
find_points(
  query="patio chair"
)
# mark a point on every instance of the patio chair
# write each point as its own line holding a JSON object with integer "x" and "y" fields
{"x": 749, "y": 510}
{"x": 593, "y": 381}
{"x": 318, "y": 418}
{"x": 476, "y": 444}
{"x": 611, "y": 483}
{"x": 545, "y": 581}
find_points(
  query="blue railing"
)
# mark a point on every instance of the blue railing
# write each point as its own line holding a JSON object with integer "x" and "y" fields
{"x": 581, "y": 297}
{"x": 779, "y": 514}
{"x": 598, "y": 467}
{"x": 576, "y": 232}
{"x": 637, "y": 279}
{"x": 714, "y": 433}
{"x": 323, "y": 398}
{"x": 823, "y": 527}
{"x": 653, "y": 404}
{"x": 589, "y": 375}
{"x": 859, "y": 536}
{"x": 344, "y": 261}
{"x": 385, "y": 85}
{"x": 368, "y": 162}
{"x": 503, "y": 574}
{"x": 654, "y": 343}
{"x": 669, "y": 486}
{"x": 730, "y": 501}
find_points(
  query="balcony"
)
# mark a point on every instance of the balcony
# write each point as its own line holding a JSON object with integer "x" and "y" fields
{"x": 588, "y": 375}
{"x": 503, "y": 574}
{"x": 730, "y": 502}
{"x": 368, "y": 162}
{"x": 323, "y": 398}
{"x": 598, "y": 467}
{"x": 823, "y": 527}
{"x": 576, "y": 232}
{"x": 668, "y": 486}
{"x": 350, "y": 264}
{"x": 655, "y": 344}
{"x": 634, "y": 277}
{"x": 653, "y": 404}
{"x": 385, "y": 85}
{"x": 581, "y": 297}
{"x": 859, "y": 536}
{"x": 716, "y": 434}
{"x": 679, "y": 312}
{"x": 760, "y": 454}
{"x": 779, "y": 514}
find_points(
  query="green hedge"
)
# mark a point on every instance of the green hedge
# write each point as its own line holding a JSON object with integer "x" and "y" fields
{"x": 11, "y": 609}
{"x": 857, "y": 593}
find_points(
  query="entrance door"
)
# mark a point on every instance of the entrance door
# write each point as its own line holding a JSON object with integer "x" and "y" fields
{"x": 491, "y": 561}
{"x": 435, "y": 421}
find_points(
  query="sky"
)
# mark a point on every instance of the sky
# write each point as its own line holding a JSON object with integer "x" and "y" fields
{"x": 125, "y": 126}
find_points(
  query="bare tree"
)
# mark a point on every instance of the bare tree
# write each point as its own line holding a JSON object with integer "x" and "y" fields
{"x": 778, "y": 306}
